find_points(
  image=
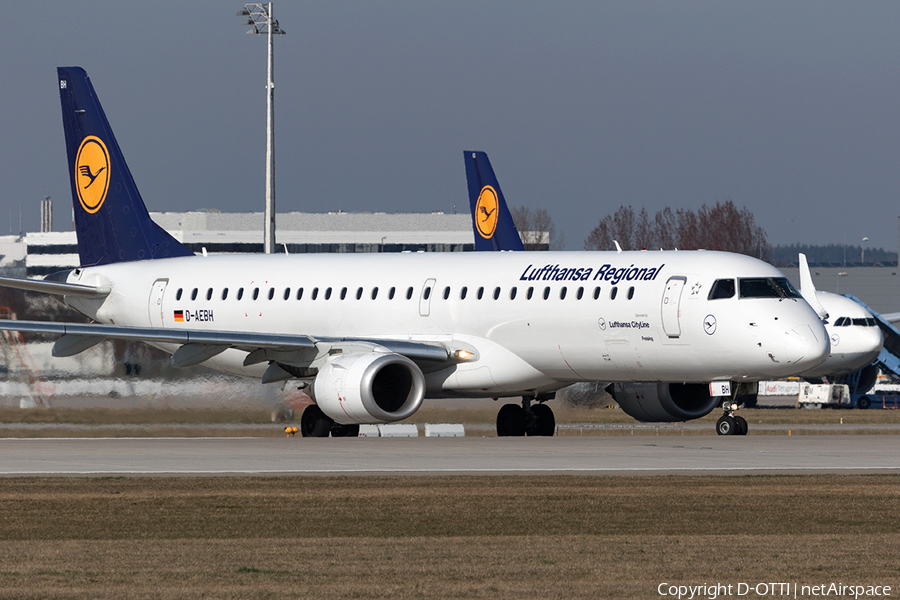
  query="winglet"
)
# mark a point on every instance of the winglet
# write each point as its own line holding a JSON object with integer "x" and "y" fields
{"x": 808, "y": 289}
{"x": 111, "y": 221}
{"x": 493, "y": 223}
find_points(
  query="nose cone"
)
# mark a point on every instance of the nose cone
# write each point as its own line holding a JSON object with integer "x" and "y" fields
{"x": 807, "y": 347}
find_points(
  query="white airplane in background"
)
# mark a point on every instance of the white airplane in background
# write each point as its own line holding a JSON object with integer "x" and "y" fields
{"x": 371, "y": 335}
{"x": 854, "y": 335}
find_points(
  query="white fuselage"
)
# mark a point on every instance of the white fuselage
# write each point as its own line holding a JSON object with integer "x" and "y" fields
{"x": 537, "y": 320}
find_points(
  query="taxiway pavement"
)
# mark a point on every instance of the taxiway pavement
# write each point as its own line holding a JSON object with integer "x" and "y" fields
{"x": 595, "y": 455}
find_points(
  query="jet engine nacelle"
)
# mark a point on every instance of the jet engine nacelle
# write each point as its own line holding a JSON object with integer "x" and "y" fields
{"x": 369, "y": 388}
{"x": 664, "y": 402}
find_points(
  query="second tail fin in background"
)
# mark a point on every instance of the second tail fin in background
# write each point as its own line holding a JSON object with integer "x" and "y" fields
{"x": 491, "y": 219}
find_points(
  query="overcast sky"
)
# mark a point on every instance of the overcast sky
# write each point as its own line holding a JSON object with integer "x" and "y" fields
{"x": 791, "y": 109}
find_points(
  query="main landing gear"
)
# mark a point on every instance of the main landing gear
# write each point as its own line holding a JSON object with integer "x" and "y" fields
{"x": 315, "y": 423}
{"x": 527, "y": 419}
{"x": 730, "y": 423}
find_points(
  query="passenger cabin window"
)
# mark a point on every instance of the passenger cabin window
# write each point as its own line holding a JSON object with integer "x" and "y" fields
{"x": 194, "y": 294}
{"x": 359, "y": 293}
{"x": 240, "y": 293}
{"x": 299, "y": 293}
{"x": 447, "y": 293}
{"x": 287, "y": 293}
{"x": 512, "y": 293}
{"x": 631, "y": 292}
{"x": 224, "y": 293}
{"x": 580, "y": 293}
{"x": 315, "y": 293}
{"x": 427, "y": 293}
{"x": 722, "y": 288}
{"x": 255, "y": 293}
{"x": 409, "y": 293}
{"x": 391, "y": 293}
{"x": 480, "y": 293}
{"x": 613, "y": 292}
{"x": 767, "y": 287}
{"x": 328, "y": 293}
{"x": 374, "y": 293}
{"x": 562, "y": 293}
{"x": 546, "y": 293}
{"x": 343, "y": 293}
{"x": 529, "y": 294}
{"x": 209, "y": 294}
{"x": 271, "y": 293}
{"x": 462, "y": 292}
{"x": 496, "y": 293}
{"x": 596, "y": 293}
{"x": 178, "y": 294}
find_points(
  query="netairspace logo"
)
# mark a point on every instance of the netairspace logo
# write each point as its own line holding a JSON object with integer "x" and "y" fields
{"x": 772, "y": 590}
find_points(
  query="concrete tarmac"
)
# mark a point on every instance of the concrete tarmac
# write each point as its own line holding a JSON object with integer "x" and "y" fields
{"x": 595, "y": 455}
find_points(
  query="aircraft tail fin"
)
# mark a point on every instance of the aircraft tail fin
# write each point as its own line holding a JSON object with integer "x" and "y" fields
{"x": 808, "y": 289}
{"x": 493, "y": 223}
{"x": 111, "y": 220}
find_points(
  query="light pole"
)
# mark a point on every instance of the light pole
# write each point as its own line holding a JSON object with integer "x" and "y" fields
{"x": 862, "y": 258}
{"x": 839, "y": 275}
{"x": 259, "y": 17}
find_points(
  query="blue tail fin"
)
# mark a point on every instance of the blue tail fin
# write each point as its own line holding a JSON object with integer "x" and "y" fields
{"x": 493, "y": 223}
{"x": 111, "y": 221}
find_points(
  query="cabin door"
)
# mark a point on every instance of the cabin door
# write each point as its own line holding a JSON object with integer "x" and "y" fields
{"x": 156, "y": 302}
{"x": 671, "y": 306}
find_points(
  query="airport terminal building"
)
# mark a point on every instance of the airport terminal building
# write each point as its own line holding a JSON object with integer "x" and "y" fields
{"x": 36, "y": 254}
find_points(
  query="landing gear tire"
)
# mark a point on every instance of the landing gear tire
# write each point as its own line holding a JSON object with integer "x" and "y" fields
{"x": 314, "y": 423}
{"x": 740, "y": 424}
{"x": 511, "y": 421}
{"x": 863, "y": 402}
{"x": 339, "y": 430}
{"x": 541, "y": 421}
{"x": 726, "y": 425}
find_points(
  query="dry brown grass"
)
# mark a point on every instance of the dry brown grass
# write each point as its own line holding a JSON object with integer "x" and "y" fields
{"x": 439, "y": 537}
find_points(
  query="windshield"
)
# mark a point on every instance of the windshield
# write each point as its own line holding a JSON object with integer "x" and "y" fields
{"x": 767, "y": 287}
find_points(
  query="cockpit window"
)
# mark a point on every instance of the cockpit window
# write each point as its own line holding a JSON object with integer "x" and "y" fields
{"x": 768, "y": 287}
{"x": 722, "y": 288}
{"x": 860, "y": 322}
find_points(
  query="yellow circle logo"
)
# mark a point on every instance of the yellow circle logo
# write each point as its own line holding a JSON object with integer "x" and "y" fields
{"x": 486, "y": 212}
{"x": 92, "y": 173}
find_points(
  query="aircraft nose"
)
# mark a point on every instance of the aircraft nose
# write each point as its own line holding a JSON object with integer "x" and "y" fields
{"x": 804, "y": 348}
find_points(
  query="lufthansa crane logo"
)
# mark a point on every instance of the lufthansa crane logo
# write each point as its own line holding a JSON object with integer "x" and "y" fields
{"x": 486, "y": 213}
{"x": 92, "y": 173}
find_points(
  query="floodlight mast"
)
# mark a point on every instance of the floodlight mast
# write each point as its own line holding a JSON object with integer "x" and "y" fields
{"x": 259, "y": 16}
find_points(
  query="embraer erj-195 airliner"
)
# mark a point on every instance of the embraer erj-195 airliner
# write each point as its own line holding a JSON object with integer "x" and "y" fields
{"x": 372, "y": 334}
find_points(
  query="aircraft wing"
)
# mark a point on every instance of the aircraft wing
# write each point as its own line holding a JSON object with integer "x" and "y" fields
{"x": 54, "y": 287}
{"x": 197, "y": 346}
{"x": 892, "y": 318}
